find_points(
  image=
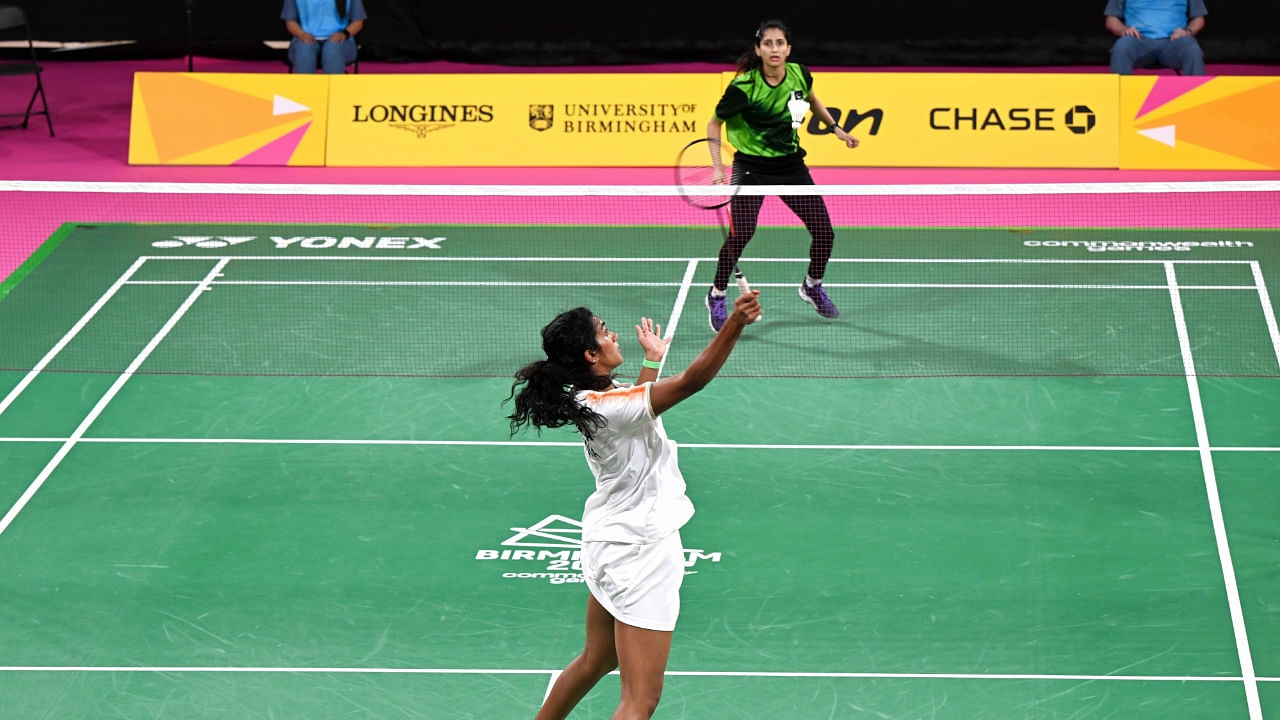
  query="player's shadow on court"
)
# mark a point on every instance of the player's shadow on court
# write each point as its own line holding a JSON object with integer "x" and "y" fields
{"x": 834, "y": 346}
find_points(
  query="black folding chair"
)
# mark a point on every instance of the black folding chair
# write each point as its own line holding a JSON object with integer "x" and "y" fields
{"x": 11, "y": 20}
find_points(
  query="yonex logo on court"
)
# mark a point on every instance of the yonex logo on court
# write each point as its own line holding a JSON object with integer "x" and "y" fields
{"x": 555, "y": 543}
{"x": 206, "y": 242}
{"x": 368, "y": 242}
{"x": 312, "y": 242}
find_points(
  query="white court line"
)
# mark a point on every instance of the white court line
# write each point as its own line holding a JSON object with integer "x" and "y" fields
{"x": 551, "y": 683}
{"x": 673, "y": 320}
{"x": 530, "y": 283}
{"x": 105, "y": 399}
{"x": 1215, "y": 503}
{"x": 69, "y": 336}
{"x": 546, "y": 259}
{"x": 578, "y": 445}
{"x": 670, "y": 673}
{"x": 426, "y": 283}
{"x": 1268, "y": 311}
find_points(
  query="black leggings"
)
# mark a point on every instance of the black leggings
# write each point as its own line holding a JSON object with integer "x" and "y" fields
{"x": 744, "y": 211}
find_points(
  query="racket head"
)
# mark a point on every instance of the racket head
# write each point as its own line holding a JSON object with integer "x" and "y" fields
{"x": 696, "y": 175}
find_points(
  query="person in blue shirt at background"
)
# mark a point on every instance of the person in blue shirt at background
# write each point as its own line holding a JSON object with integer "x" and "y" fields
{"x": 1156, "y": 32}
{"x": 324, "y": 33}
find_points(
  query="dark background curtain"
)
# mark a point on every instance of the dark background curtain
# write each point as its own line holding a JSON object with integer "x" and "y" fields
{"x": 994, "y": 33}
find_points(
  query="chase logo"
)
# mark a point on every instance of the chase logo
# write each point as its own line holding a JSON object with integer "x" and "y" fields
{"x": 1080, "y": 119}
{"x": 542, "y": 117}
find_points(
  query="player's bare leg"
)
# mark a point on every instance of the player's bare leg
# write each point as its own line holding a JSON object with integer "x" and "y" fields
{"x": 599, "y": 657}
{"x": 642, "y": 657}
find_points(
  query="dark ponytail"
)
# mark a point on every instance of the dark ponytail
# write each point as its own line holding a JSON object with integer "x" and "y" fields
{"x": 750, "y": 60}
{"x": 547, "y": 396}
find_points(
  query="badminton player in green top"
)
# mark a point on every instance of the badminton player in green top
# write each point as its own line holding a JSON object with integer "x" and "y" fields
{"x": 763, "y": 108}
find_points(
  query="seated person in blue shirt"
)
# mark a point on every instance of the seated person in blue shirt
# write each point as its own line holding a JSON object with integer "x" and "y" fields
{"x": 324, "y": 33}
{"x": 1156, "y": 32}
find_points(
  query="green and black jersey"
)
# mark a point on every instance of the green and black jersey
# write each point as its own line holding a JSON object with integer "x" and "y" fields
{"x": 757, "y": 120}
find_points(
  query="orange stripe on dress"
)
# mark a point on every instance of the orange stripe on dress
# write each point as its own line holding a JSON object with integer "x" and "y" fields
{"x": 595, "y": 396}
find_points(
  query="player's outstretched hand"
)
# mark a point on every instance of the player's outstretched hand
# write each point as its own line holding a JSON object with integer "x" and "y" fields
{"x": 649, "y": 334}
{"x": 747, "y": 307}
{"x": 848, "y": 140}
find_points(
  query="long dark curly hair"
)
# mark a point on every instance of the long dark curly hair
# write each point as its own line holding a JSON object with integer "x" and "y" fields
{"x": 547, "y": 396}
{"x": 750, "y": 60}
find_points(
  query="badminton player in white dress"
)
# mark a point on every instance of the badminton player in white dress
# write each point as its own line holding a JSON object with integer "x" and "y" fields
{"x": 632, "y": 558}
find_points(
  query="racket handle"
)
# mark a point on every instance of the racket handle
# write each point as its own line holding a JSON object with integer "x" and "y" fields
{"x": 743, "y": 287}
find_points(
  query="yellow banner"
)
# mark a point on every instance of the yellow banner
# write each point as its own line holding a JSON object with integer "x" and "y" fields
{"x": 228, "y": 119}
{"x": 966, "y": 120}
{"x": 1199, "y": 123}
{"x": 517, "y": 120}
{"x": 642, "y": 120}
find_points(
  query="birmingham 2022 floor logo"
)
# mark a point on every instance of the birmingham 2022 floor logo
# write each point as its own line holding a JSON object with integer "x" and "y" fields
{"x": 551, "y": 550}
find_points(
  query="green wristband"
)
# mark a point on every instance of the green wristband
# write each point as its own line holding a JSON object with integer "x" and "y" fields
{"x": 652, "y": 364}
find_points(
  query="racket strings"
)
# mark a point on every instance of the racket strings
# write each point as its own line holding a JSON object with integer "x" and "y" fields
{"x": 697, "y": 179}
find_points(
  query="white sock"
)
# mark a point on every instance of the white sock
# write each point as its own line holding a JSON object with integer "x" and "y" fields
{"x": 717, "y": 292}
{"x": 810, "y": 282}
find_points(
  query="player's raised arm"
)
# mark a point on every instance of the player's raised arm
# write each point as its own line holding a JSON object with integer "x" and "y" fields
{"x": 667, "y": 392}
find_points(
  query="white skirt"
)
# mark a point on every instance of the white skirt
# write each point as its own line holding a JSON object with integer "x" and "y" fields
{"x": 637, "y": 584}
